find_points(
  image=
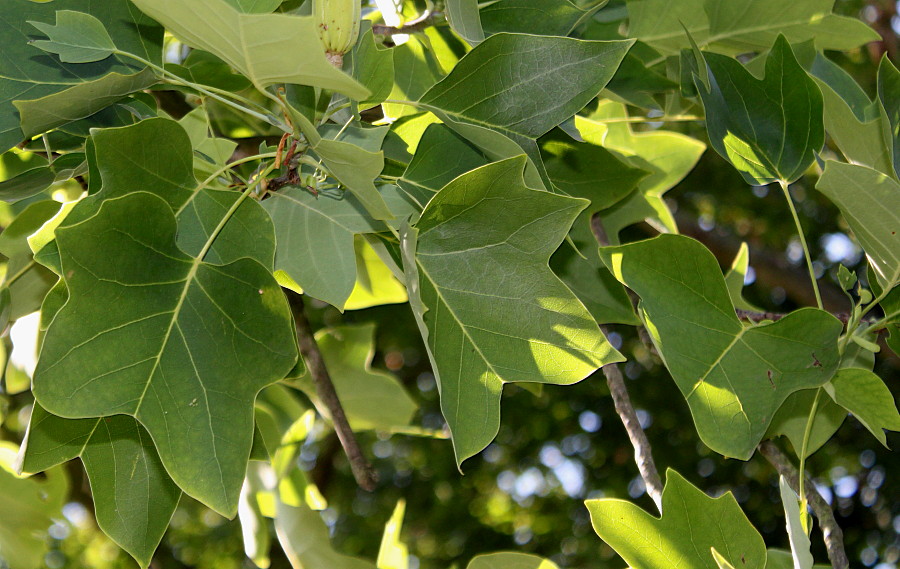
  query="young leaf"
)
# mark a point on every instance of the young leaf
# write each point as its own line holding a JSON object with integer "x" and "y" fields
{"x": 48, "y": 93}
{"x": 692, "y": 523}
{"x": 157, "y": 356}
{"x": 870, "y": 202}
{"x": 770, "y": 128}
{"x": 465, "y": 20}
{"x": 800, "y": 544}
{"x": 733, "y": 377}
{"x": 510, "y": 560}
{"x": 77, "y": 38}
{"x": 266, "y": 48}
{"x": 133, "y": 504}
{"x": 864, "y": 394}
{"x": 393, "y": 553}
{"x": 487, "y": 304}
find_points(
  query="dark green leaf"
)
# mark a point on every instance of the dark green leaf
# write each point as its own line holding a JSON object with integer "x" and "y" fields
{"x": 540, "y": 17}
{"x": 77, "y": 38}
{"x": 889, "y": 96}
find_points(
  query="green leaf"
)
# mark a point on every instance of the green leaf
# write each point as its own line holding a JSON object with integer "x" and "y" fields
{"x": 870, "y": 202}
{"x": 792, "y": 417}
{"x": 734, "y": 377}
{"x": 692, "y": 523}
{"x": 889, "y": 96}
{"x": 864, "y": 394}
{"x": 255, "y": 6}
{"x": 416, "y": 70}
{"x": 26, "y": 281}
{"x": 538, "y": 17}
{"x": 306, "y": 542}
{"x": 734, "y": 279}
{"x": 465, "y": 20}
{"x": 266, "y": 48}
{"x": 393, "y": 553}
{"x": 796, "y": 533}
{"x": 668, "y": 156}
{"x": 521, "y": 86}
{"x": 510, "y": 560}
{"x": 29, "y": 506}
{"x": 49, "y": 93}
{"x": 77, "y": 38}
{"x": 770, "y": 128}
{"x": 592, "y": 172}
{"x": 373, "y": 67}
{"x": 158, "y": 356}
{"x": 372, "y": 399}
{"x": 133, "y": 503}
{"x": 375, "y": 283}
{"x": 487, "y": 304}
{"x": 741, "y": 26}
{"x": 315, "y": 236}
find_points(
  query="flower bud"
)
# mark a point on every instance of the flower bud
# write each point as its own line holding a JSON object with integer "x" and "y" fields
{"x": 338, "y": 24}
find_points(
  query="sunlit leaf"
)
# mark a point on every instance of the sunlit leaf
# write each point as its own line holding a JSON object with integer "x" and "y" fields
{"x": 865, "y": 395}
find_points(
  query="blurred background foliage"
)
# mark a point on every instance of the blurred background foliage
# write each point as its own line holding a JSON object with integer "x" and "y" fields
{"x": 563, "y": 444}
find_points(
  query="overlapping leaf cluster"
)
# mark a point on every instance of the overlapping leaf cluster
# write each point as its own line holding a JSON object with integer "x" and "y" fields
{"x": 499, "y": 158}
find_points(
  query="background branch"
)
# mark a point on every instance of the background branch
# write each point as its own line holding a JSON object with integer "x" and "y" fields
{"x": 365, "y": 475}
{"x": 831, "y": 531}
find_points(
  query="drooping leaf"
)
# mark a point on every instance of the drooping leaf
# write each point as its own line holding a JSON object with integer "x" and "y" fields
{"x": 487, "y": 304}
{"x": 734, "y": 377}
{"x": 540, "y": 17}
{"x": 770, "y": 128}
{"x": 465, "y": 20}
{"x": 29, "y": 506}
{"x": 371, "y": 399}
{"x": 792, "y": 417}
{"x": 510, "y": 560}
{"x": 315, "y": 236}
{"x": 692, "y": 523}
{"x": 134, "y": 497}
{"x": 49, "y": 93}
{"x": 266, "y": 48}
{"x": 668, "y": 156}
{"x": 36, "y": 180}
{"x": 521, "y": 85}
{"x": 740, "y": 26}
{"x": 889, "y": 97}
{"x": 864, "y": 394}
{"x": 76, "y": 38}
{"x": 158, "y": 354}
{"x": 870, "y": 202}
{"x": 796, "y": 533}
{"x": 305, "y": 539}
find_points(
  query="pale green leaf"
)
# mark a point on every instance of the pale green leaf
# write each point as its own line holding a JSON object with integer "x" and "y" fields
{"x": 35, "y": 180}
{"x": 156, "y": 354}
{"x": 76, "y": 38}
{"x": 375, "y": 283}
{"x": 266, "y": 48}
{"x": 668, "y": 156}
{"x": 254, "y": 526}
{"x": 465, "y": 20}
{"x": 770, "y": 128}
{"x": 734, "y": 377}
{"x": 796, "y": 533}
{"x": 133, "y": 496}
{"x": 393, "y": 553}
{"x": 255, "y": 6}
{"x": 487, "y": 304}
{"x": 29, "y": 507}
{"x": 691, "y": 525}
{"x": 372, "y": 399}
{"x": 870, "y": 202}
{"x": 49, "y": 93}
{"x": 792, "y": 417}
{"x": 306, "y": 542}
{"x": 373, "y": 67}
{"x": 734, "y": 278}
{"x": 864, "y": 394}
{"x": 26, "y": 281}
{"x": 416, "y": 70}
{"x": 510, "y": 560}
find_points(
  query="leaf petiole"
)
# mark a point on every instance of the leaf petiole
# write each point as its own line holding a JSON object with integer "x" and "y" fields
{"x": 809, "y": 265}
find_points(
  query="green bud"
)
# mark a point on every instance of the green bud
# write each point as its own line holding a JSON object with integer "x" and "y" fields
{"x": 338, "y": 24}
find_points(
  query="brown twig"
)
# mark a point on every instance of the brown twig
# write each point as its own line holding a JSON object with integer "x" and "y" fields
{"x": 643, "y": 454}
{"x": 365, "y": 475}
{"x": 426, "y": 20}
{"x": 831, "y": 531}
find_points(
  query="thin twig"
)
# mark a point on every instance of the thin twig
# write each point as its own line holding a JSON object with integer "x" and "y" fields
{"x": 643, "y": 454}
{"x": 365, "y": 475}
{"x": 426, "y": 20}
{"x": 831, "y": 531}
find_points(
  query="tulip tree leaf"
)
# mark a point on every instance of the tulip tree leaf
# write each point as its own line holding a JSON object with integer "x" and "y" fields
{"x": 77, "y": 38}
{"x": 799, "y": 539}
{"x": 372, "y": 399}
{"x": 315, "y": 236}
{"x": 521, "y": 85}
{"x": 486, "y": 302}
{"x": 889, "y": 97}
{"x": 541, "y": 17}
{"x": 35, "y": 180}
{"x": 668, "y": 156}
{"x": 266, "y": 48}
{"x": 134, "y": 497}
{"x": 864, "y": 394}
{"x": 465, "y": 20}
{"x": 47, "y": 92}
{"x": 156, "y": 352}
{"x": 741, "y": 26}
{"x": 375, "y": 283}
{"x": 510, "y": 560}
{"x": 734, "y": 377}
{"x": 770, "y": 128}
{"x": 305, "y": 539}
{"x": 791, "y": 418}
{"x": 870, "y": 202}
{"x": 692, "y": 523}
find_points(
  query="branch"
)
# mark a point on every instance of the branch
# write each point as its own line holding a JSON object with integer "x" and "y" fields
{"x": 426, "y": 20}
{"x": 831, "y": 531}
{"x": 643, "y": 454}
{"x": 365, "y": 475}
